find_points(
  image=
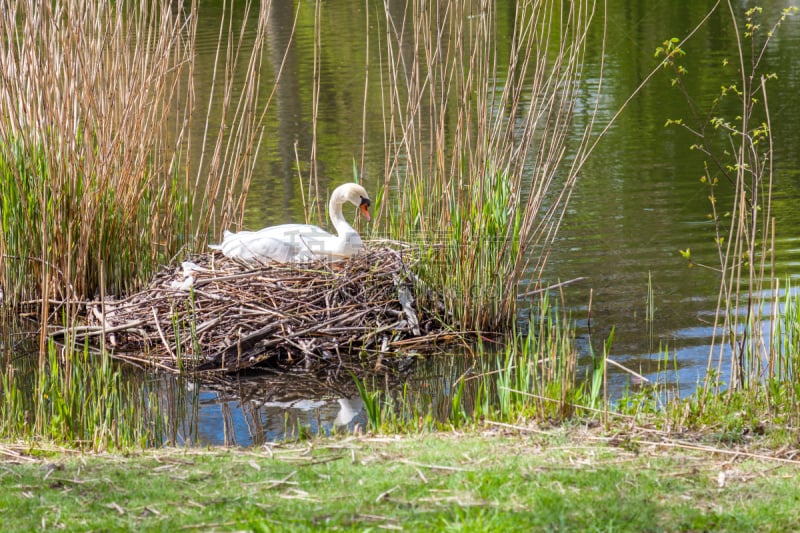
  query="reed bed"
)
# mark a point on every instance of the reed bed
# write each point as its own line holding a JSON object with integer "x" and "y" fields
{"x": 102, "y": 175}
{"x": 82, "y": 117}
{"x": 217, "y": 315}
{"x": 481, "y": 150}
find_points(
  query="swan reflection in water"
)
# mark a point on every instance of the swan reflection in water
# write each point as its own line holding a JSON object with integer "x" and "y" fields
{"x": 231, "y": 421}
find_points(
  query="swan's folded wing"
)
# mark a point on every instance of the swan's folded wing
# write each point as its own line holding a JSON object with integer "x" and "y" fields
{"x": 295, "y": 243}
{"x": 287, "y": 243}
{"x": 249, "y": 245}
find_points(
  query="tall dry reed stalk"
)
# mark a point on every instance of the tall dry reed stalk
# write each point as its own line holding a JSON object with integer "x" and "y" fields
{"x": 101, "y": 170}
{"x": 480, "y": 157}
{"x": 745, "y": 241}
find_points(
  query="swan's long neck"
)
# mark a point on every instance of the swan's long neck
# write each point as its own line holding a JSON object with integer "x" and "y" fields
{"x": 347, "y": 236}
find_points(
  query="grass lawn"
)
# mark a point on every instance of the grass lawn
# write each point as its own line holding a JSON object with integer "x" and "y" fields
{"x": 568, "y": 478}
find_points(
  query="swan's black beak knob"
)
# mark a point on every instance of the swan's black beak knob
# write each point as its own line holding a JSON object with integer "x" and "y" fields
{"x": 364, "y": 208}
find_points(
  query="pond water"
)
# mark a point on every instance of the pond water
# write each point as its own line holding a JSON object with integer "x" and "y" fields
{"x": 638, "y": 200}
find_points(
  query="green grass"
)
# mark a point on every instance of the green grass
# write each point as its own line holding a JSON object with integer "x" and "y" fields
{"x": 495, "y": 481}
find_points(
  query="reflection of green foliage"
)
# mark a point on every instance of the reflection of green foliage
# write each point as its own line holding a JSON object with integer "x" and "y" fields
{"x": 84, "y": 401}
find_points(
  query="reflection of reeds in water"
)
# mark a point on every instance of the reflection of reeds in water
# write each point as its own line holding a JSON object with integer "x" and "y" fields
{"x": 259, "y": 408}
{"x": 479, "y": 166}
{"x": 528, "y": 374}
{"x": 87, "y": 402}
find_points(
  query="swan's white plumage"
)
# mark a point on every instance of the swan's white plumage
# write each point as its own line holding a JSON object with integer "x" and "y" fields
{"x": 299, "y": 243}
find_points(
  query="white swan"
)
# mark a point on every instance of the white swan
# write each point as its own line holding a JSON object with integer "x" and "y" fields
{"x": 300, "y": 243}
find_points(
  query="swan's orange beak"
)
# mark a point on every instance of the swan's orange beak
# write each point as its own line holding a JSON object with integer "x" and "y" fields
{"x": 364, "y": 208}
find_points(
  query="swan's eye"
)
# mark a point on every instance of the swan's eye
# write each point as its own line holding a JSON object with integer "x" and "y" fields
{"x": 364, "y": 201}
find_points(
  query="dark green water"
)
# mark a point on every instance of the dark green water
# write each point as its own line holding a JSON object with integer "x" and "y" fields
{"x": 638, "y": 201}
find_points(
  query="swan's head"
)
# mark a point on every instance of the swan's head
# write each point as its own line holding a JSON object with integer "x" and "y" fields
{"x": 355, "y": 194}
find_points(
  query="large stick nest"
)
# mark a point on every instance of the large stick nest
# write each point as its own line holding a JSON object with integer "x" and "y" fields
{"x": 219, "y": 315}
